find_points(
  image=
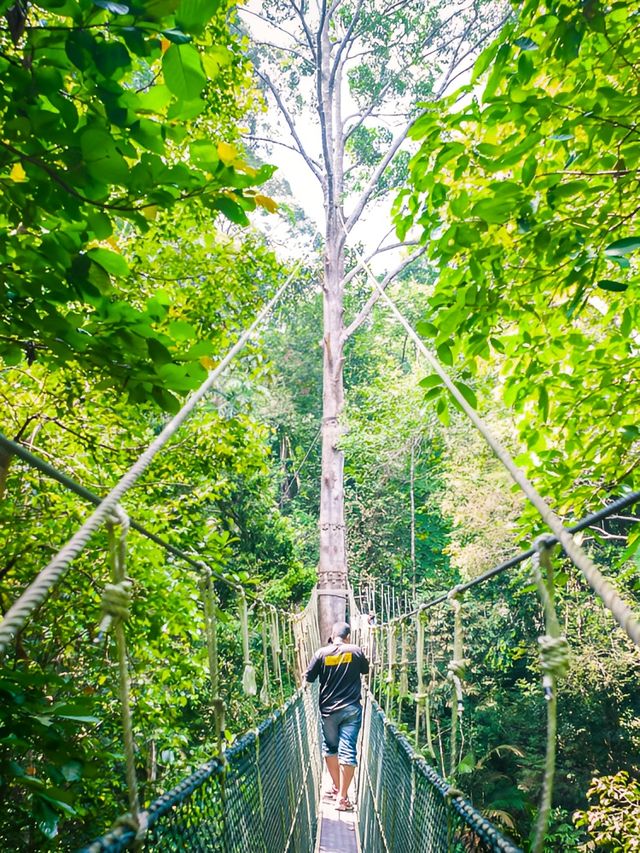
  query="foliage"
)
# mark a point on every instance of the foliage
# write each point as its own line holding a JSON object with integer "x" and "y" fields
{"x": 613, "y": 817}
{"x": 209, "y": 494}
{"x": 111, "y": 113}
{"x": 524, "y": 191}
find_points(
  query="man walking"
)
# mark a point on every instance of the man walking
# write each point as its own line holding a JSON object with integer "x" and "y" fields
{"x": 339, "y": 667}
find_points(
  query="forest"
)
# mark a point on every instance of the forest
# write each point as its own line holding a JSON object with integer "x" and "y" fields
{"x": 238, "y": 202}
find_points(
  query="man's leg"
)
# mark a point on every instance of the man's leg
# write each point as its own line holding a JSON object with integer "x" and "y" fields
{"x": 334, "y": 768}
{"x": 346, "y": 777}
{"x": 330, "y": 738}
{"x": 349, "y": 729}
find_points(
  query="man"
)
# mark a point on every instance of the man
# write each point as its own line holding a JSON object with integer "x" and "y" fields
{"x": 339, "y": 667}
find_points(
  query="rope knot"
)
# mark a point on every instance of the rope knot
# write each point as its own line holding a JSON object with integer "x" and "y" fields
{"x": 115, "y": 603}
{"x": 455, "y": 593}
{"x": 554, "y": 655}
{"x": 457, "y": 669}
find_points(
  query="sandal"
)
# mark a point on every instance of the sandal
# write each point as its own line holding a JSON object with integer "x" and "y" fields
{"x": 344, "y": 805}
{"x": 331, "y": 793}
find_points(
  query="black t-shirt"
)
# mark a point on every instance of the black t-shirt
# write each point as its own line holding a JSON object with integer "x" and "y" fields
{"x": 339, "y": 666}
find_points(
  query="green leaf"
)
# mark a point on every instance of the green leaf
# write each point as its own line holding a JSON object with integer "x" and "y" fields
{"x": 430, "y": 381}
{"x": 445, "y": 355}
{"x": 623, "y": 247}
{"x": 113, "y": 263}
{"x": 610, "y": 284}
{"x": 104, "y": 161}
{"x": 493, "y": 210}
{"x": 231, "y": 210}
{"x": 193, "y": 15}
{"x": 183, "y": 72}
{"x": 467, "y": 393}
{"x": 426, "y": 329}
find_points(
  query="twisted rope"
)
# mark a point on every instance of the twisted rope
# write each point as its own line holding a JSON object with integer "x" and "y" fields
{"x": 249, "y": 673}
{"x": 265, "y": 695}
{"x": 115, "y": 604}
{"x": 613, "y": 601}
{"x": 554, "y": 661}
{"x": 455, "y": 674}
{"x": 17, "y": 615}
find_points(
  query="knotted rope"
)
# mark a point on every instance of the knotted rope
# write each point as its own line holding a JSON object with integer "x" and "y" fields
{"x": 116, "y": 609}
{"x": 210, "y": 604}
{"x": 276, "y": 651}
{"x": 554, "y": 661}
{"x": 249, "y": 673}
{"x": 265, "y": 695}
{"x": 391, "y": 663}
{"x": 422, "y": 696}
{"x": 456, "y": 674}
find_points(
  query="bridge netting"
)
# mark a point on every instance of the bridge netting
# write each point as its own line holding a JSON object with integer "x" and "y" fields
{"x": 261, "y": 795}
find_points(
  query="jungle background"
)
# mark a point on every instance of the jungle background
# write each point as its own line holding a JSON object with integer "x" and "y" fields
{"x": 143, "y": 228}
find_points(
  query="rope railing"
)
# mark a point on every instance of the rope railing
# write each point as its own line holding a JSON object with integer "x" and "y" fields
{"x": 403, "y": 803}
{"x": 17, "y": 615}
{"x": 604, "y": 589}
{"x": 553, "y": 651}
{"x": 586, "y": 522}
{"x": 261, "y": 796}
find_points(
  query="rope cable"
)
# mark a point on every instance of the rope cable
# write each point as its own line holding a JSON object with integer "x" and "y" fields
{"x": 554, "y": 658}
{"x": 249, "y": 673}
{"x": 455, "y": 674}
{"x": 116, "y": 613}
{"x": 618, "y": 607}
{"x": 17, "y": 615}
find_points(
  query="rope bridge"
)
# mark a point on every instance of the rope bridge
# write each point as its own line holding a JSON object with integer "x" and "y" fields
{"x": 261, "y": 796}
{"x": 261, "y": 793}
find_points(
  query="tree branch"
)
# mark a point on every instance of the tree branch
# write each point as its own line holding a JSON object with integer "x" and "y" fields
{"x": 311, "y": 163}
{"x": 379, "y": 171}
{"x": 371, "y": 301}
{"x": 305, "y": 28}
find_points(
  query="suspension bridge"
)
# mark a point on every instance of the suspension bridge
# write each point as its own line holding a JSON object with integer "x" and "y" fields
{"x": 264, "y": 792}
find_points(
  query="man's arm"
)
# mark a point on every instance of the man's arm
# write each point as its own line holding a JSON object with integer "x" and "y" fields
{"x": 364, "y": 663}
{"x": 313, "y": 670}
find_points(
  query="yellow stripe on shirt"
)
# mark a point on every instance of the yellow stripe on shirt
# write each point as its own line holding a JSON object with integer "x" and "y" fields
{"x": 335, "y": 660}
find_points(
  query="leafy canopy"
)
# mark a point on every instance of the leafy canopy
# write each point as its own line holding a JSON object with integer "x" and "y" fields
{"x": 111, "y": 112}
{"x": 524, "y": 189}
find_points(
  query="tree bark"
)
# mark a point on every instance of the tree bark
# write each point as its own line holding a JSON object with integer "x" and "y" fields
{"x": 332, "y": 569}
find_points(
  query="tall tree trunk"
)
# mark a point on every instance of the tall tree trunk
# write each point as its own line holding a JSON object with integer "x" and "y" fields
{"x": 412, "y": 495}
{"x": 332, "y": 572}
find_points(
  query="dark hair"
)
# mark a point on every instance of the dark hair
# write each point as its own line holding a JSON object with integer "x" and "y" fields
{"x": 341, "y": 630}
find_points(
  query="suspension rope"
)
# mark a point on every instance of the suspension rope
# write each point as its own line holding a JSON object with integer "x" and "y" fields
{"x": 195, "y": 561}
{"x": 265, "y": 694}
{"x": 554, "y": 660}
{"x": 115, "y": 607}
{"x": 37, "y": 592}
{"x": 588, "y": 521}
{"x": 618, "y": 607}
{"x": 456, "y": 674}
{"x": 249, "y": 673}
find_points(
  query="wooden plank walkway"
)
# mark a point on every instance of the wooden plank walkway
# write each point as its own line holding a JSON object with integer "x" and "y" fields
{"x": 337, "y": 831}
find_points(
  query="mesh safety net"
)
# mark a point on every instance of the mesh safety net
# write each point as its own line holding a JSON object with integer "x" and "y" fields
{"x": 261, "y": 799}
{"x": 404, "y": 804}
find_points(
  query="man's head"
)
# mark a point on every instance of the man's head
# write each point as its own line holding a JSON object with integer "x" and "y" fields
{"x": 340, "y": 631}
